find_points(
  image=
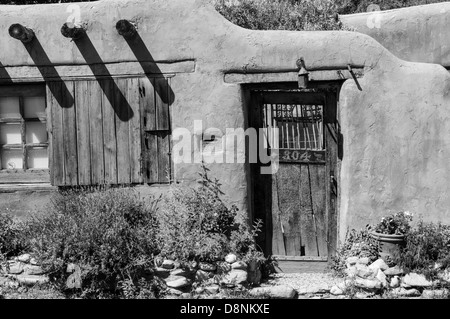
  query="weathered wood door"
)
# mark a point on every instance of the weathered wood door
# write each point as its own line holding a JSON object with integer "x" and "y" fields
{"x": 297, "y": 203}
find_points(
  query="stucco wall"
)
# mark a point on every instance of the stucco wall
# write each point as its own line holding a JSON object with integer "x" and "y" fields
{"x": 396, "y": 135}
{"x": 416, "y": 34}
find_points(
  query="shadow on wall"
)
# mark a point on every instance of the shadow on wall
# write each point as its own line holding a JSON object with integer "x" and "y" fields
{"x": 116, "y": 98}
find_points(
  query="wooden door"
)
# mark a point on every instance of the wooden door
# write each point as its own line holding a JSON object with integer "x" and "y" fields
{"x": 297, "y": 202}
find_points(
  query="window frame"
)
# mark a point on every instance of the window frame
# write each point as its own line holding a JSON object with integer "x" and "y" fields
{"x": 25, "y": 175}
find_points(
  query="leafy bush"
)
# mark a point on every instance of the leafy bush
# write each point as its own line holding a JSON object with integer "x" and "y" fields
{"x": 195, "y": 224}
{"x": 426, "y": 244}
{"x": 108, "y": 233}
{"x": 358, "y": 243}
{"x": 11, "y": 235}
{"x": 281, "y": 14}
{"x": 395, "y": 224}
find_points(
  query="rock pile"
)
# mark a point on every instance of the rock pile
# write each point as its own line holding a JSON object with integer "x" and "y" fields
{"x": 22, "y": 270}
{"x": 206, "y": 278}
{"x": 377, "y": 277}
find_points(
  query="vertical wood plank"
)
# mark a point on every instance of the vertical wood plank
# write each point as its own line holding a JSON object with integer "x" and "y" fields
{"x": 48, "y": 112}
{"x": 134, "y": 131}
{"x": 278, "y": 238}
{"x": 306, "y": 218}
{"x": 151, "y": 157}
{"x": 163, "y": 156}
{"x": 331, "y": 134}
{"x": 162, "y": 108}
{"x": 109, "y": 136}
{"x": 82, "y": 102}
{"x": 318, "y": 188}
{"x": 70, "y": 137}
{"x": 147, "y": 103}
{"x": 96, "y": 133}
{"x": 57, "y": 152}
{"x": 122, "y": 134}
{"x": 289, "y": 204}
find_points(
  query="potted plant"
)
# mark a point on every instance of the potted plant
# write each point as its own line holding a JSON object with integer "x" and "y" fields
{"x": 390, "y": 233}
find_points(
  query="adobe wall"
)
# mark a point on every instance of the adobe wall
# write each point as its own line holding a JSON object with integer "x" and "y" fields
{"x": 416, "y": 34}
{"x": 396, "y": 131}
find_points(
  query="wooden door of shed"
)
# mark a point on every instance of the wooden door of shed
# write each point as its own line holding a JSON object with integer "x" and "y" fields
{"x": 297, "y": 202}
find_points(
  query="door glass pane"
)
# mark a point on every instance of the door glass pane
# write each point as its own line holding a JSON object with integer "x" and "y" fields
{"x": 12, "y": 159}
{"x": 34, "y": 107}
{"x": 9, "y": 107}
{"x": 35, "y": 132}
{"x": 10, "y": 133}
{"x": 37, "y": 158}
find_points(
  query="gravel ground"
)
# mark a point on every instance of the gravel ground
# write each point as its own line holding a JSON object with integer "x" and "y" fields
{"x": 300, "y": 281}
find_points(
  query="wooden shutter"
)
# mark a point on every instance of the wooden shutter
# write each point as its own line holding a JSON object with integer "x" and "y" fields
{"x": 155, "y": 97}
{"x": 96, "y": 139}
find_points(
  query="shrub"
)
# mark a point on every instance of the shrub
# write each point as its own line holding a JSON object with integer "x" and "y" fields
{"x": 194, "y": 223}
{"x": 11, "y": 235}
{"x": 281, "y": 14}
{"x": 394, "y": 224}
{"x": 108, "y": 233}
{"x": 426, "y": 244}
{"x": 358, "y": 243}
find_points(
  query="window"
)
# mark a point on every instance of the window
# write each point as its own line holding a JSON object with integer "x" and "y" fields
{"x": 23, "y": 132}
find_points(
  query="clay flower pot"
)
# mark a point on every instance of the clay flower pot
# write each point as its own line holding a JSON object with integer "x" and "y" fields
{"x": 388, "y": 244}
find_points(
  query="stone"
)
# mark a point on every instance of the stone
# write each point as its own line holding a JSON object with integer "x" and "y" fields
{"x": 433, "y": 294}
{"x": 207, "y": 266}
{"x": 395, "y": 282}
{"x": 16, "y": 268}
{"x": 168, "y": 264}
{"x": 162, "y": 272}
{"x": 382, "y": 278}
{"x": 202, "y": 275}
{"x": 185, "y": 295}
{"x": 363, "y": 271}
{"x": 344, "y": 285}
{"x": 239, "y": 265}
{"x": 314, "y": 289}
{"x": 393, "y": 271}
{"x": 363, "y": 295}
{"x": 178, "y": 283}
{"x": 254, "y": 277}
{"x": 405, "y": 292}
{"x": 213, "y": 289}
{"x": 370, "y": 284}
{"x": 199, "y": 290}
{"x": 437, "y": 265}
{"x": 180, "y": 272}
{"x": 31, "y": 280}
{"x": 416, "y": 280}
{"x": 352, "y": 260}
{"x": 235, "y": 277}
{"x": 379, "y": 263}
{"x": 364, "y": 260}
{"x": 33, "y": 262}
{"x": 25, "y": 258}
{"x": 351, "y": 271}
{"x": 230, "y": 258}
{"x": 33, "y": 270}
{"x": 276, "y": 292}
{"x": 336, "y": 291}
{"x": 175, "y": 292}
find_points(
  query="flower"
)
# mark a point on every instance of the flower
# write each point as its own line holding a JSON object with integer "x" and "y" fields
{"x": 395, "y": 224}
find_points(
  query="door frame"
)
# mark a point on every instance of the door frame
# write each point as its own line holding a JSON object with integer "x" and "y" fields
{"x": 331, "y": 129}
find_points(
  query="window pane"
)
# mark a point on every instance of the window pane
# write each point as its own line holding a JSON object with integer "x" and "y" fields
{"x": 10, "y": 133}
{"x": 35, "y": 132}
{"x": 34, "y": 106}
{"x": 11, "y": 159}
{"x": 9, "y": 107}
{"x": 37, "y": 158}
